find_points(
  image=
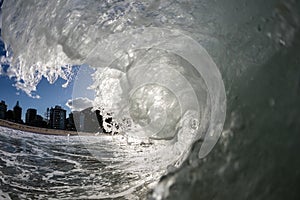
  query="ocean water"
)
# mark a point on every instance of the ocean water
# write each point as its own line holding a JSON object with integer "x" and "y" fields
{"x": 35, "y": 166}
{"x": 145, "y": 57}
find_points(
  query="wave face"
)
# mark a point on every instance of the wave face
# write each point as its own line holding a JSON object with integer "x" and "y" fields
{"x": 251, "y": 43}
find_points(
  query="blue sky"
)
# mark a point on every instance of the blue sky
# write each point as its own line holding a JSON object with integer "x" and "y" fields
{"x": 50, "y": 94}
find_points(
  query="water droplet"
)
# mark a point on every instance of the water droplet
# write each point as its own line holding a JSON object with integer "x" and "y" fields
{"x": 282, "y": 42}
{"x": 194, "y": 124}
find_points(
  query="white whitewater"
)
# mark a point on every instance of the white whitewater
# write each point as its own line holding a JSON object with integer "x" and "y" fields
{"x": 151, "y": 72}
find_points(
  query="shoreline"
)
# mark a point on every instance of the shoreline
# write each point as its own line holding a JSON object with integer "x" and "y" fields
{"x": 36, "y": 130}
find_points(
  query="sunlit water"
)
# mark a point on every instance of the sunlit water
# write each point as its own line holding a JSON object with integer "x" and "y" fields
{"x": 255, "y": 46}
{"x": 37, "y": 166}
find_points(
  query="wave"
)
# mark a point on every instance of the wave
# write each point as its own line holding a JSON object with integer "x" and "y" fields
{"x": 153, "y": 76}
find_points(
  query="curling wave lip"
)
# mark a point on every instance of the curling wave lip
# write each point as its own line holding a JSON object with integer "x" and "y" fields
{"x": 174, "y": 41}
{"x": 164, "y": 93}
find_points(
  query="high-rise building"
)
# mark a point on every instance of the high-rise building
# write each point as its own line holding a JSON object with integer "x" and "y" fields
{"x": 17, "y": 113}
{"x": 30, "y": 115}
{"x": 57, "y": 118}
{"x": 3, "y": 109}
{"x": 9, "y": 115}
{"x": 70, "y": 123}
{"x": 39, "y": 122}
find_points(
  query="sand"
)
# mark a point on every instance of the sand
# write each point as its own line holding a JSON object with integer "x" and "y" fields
{"x": 38, "y": 130}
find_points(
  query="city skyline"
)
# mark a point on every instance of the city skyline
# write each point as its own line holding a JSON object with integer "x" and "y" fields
{"x": 54, "y": 118}
{"x": 24, "y": 110}
{"x": 50, "y": 95}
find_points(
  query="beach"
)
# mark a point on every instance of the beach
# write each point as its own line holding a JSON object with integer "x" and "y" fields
{"x": 38, "y": 130}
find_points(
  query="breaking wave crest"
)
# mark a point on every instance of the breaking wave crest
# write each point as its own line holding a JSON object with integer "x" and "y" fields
{"x": 147, "y": 71}
{"x": 149, "y": 75}
{"x": 45, "y": 38}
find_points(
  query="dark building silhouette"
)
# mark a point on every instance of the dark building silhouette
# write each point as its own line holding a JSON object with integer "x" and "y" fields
{"x": 70, "y": 126}
{"x": 17, "y": 113}
{"x": 3, "y": 110}
{"x": 47, "y": 114}
{"x": 58, "y": 118}
{"x": 9, "y": 115}
{"x": 38, "y": 121}
{"x": 32, "y": 119}
{"x": 30, "y": 115}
